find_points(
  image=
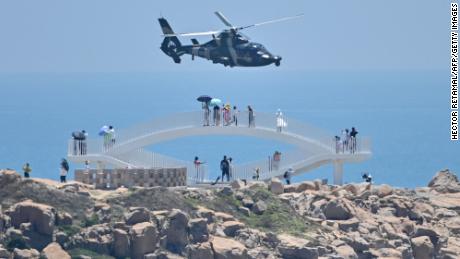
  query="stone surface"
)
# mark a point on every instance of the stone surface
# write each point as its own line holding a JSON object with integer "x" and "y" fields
{"x": 231, "y": 227}
{"x": 384, "y": 190}
{"x": 55, "y": 251}
{"x": 176, "y": 232}
{"x": 346, "y": 252}
{"x": 144, "y": 239}
{"x": 226, "y": 248}
{"x": 201, "y": 251}
{"x": 422, "y": 247}
{"x": 25, "y": 254}
{"x": 292, "y": 248}
{"x": 121, "y": 243}
{"x": 445, "y": 182}
{"x": 198, "y": 230}
{"x": 276, "y": 186}
{"x": 237, "y": 184}
{"x": 41, "y": 216}
{"x": 337, "y": 210}
{"x": 137, "y": 215}
{"x": 307, "y": 185}
{"x": 259, "y": 207}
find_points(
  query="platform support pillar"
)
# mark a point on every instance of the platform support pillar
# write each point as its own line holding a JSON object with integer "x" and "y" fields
{"x": 338, "y": 172}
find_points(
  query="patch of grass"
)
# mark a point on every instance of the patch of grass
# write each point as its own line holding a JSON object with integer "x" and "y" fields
{"x": 70, "y": 230}
{"x": 279, "y": 216}
{"x": 77, "y": 253}
{"x": 89, "y": 221}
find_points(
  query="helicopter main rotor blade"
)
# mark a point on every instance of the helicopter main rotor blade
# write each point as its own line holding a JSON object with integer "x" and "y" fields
{"x": 271, "y": 21}
{"x": 191, "y": 34}
{"x": 223, "y": 19}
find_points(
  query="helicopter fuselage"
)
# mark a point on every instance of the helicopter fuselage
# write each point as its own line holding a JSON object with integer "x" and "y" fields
{"x": 232, "y": 51}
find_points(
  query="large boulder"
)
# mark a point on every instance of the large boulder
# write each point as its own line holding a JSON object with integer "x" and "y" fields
{"x": 337, "y": 209}
{"x": 276, "y": 186}
{"x": 200, "y": 251}
{"x": 422, "y": 247}
{"x": 144, "y": 239}
{"x": 237, "y": 184}
{"x": 25, "y": 254}
{"x": 259, "y": 207}
{"x": 346, "y": 252}
{"x": 41, "y": 216}
{"x": 231, "y": 227}
{"x": 54, "y": 251}
{"x": 226, "y": 248}
{"x": 445, "y": 182}
{"x": 137, "y": 215}
{"x": 295, "y": 248}
{"x": 198, "y": 229}
{"x": 176, "y": 231}
{"x": 4, "y": 253}
{"x": 305, "y": 186}
{"x": 97, "y": 238}
{"x": 384, "y": 190}
{"x": 120, "y": 243}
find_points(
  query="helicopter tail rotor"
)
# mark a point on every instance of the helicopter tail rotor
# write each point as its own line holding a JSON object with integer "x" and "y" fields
{"x": 171, "y": 45}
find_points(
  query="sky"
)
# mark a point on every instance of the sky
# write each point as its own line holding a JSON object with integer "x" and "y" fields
{"x": 55, "y": 36}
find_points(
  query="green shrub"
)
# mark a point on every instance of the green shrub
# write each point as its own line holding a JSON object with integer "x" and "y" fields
{"x": 90, "y": 221}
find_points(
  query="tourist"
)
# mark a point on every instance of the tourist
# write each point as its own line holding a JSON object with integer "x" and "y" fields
{"x": 226, "y": 115}
{"x": 251, "y": 117}
{"x": 27, "y": 169}
{"x": 337, "y": 144}
{"x": 198, "y": 169}
{"x": 230, "y": 167}
{"x": 353, "y": 134}
{"x": 280, "y": 122}
{"x": 216, "y": 115}
{"x": 83, "y": 145}
{"x": 367, "y": 177}
{"x": 347, "y": 132}
{"x": 288, "y": 174}
{"x": 235, "y": 115}
{"x": 225, "y": 168}
{"x": 206, "y": 113}
{"x": 112, "y": 135}
{"x": 64, "y": 170}
{"x": 256, "y": 174}
{"x": 276, "y": 161}
{"x": 344, "y": 141}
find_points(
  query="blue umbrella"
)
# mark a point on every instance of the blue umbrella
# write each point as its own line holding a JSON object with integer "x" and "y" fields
{"x": 215, "y": 102}
{"x": 103, "y": 130}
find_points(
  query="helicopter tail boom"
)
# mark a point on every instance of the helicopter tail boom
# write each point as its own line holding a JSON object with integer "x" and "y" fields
{"x": 171, "y": 45}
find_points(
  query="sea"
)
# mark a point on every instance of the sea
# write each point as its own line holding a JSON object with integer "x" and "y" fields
{"x": 405, "y": 113}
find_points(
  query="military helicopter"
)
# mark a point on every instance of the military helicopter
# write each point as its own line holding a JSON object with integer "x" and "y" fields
{"x": 228, "y": 47}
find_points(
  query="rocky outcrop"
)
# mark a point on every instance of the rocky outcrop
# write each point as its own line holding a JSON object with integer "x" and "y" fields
{"x": 295, "y": 248}
{"x": 41, "y": 216}
{"x": 54, "y": 251}
{"x": 242, "y": 221}
{"x": 144, "y": 239}
{"x": 176, "y": 231}
{"x": 276, "y": 186}
{"x": 422, "y": 247}
{"x": 445, "y": 182}
{"x": 226, "y": 248}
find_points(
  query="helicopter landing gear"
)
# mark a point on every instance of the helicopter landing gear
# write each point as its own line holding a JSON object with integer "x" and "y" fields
{"x": 278, "y": 63}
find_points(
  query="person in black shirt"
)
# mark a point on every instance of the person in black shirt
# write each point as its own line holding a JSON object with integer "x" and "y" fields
{"x": 353, "y": 134}
{"x": 225, "y": 168}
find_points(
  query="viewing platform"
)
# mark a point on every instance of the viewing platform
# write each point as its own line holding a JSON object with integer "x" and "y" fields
{"x": 314, "y": 147}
